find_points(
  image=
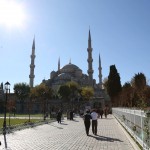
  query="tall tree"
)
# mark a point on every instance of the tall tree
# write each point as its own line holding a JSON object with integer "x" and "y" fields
{"x": 42, "y": 93}
{"x": 22, "y": 91}
{"x": 139, "y": 81}
{"x": 114, "y": 85}
{"x": 140, "y": 87}
{"x": 74, "y": 88}
{"x": 127, "y": 95}
{"x": 64, "y": 92}
{"x": 87, "y": 93}
{"x": 105, "y": 83}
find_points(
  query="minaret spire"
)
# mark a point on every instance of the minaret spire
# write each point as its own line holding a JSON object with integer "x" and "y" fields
{"x": 70, "y": 61}
{"x": 59, "y": 64}
{"x": 89, "y": 40}
{"x": 32, "y": 66}
{"x": 90, "y": 60}
{"x": 100, "y": 73}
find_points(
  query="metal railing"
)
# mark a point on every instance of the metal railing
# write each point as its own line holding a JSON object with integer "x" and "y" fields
{"x": 137, "y": 123}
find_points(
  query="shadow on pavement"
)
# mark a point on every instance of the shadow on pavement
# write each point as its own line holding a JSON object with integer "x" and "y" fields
{"x": 64, "y": 124}
{"x": 104, "y": 138}
{"x": 75, "y": 120}
{"x": 56, "y": 126}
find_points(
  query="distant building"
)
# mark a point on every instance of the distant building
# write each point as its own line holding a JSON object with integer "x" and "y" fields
{"x": 71, "y": 72}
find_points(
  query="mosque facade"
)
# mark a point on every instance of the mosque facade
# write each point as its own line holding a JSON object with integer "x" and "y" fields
{"x": 71, "y": 72}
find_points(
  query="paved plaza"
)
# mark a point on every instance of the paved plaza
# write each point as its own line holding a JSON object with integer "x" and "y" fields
{"x": 70, "y": 135}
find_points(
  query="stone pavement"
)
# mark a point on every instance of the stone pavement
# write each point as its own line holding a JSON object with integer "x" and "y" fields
{"x": 70, "y": 135}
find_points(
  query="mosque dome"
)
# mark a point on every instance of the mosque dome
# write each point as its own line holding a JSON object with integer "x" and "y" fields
{"x": 72, "y": 69}
{"x": 70, "y": 66}
{"x": 64, "y": 76}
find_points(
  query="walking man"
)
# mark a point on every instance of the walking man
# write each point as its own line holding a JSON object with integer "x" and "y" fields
{"x": 59, "y": 114}
{"x": 94, "y": 116}
{"x": 87, "y": 117}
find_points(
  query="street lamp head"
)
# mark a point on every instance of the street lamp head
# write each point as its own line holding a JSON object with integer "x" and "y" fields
{"x": 7, "y": 85}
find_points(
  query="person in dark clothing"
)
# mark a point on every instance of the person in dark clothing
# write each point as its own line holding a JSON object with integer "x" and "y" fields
{"x": 106, "y": 111}
{"x": 59, "y": 114}
{"x": 101, "y": 112}
{"x": 71, "y": 115}
{"x": 87, "y": 122}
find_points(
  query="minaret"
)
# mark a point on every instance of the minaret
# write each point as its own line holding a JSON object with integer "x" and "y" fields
{"x": 70, "y": 61}
{"x": 32, "y": 66}
{"x": 59, "y": 64}
{"x": 90, "y": 60}
{"x": 100, "y": 73}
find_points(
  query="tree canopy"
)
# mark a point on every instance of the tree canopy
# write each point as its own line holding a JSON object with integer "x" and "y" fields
{"x": 64, "y": 92}
{"x": 113, "y": 84}
{"x": 22, "y": 90}
{"x": 87, "y": 93}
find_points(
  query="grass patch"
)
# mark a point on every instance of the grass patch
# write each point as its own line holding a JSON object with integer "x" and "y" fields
{"x": 22, "y": 115}
{"x": 16, "y": 121}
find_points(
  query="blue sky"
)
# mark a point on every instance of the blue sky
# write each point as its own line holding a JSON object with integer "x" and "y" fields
{"x": 120, "y": 32}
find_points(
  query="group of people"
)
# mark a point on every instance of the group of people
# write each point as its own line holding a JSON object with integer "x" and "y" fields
{"x": 88, "y": 116}
{"x": 93, "y": 115}
{"x": 102, "y": 112}
{"x": 70, "y": 115}
{"x": 87, "y": 121}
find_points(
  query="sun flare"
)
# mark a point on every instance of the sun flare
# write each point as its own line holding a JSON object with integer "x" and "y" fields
{"x": 11, "y": 13}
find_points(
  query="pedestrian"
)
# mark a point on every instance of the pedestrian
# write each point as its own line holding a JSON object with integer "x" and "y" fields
{"x": 71, "y": 115}
{"x": 59, "y": 114}
{"x": 94, "y": 116}
{"x": 68, "y": 114}
{"x": 106, "y": 111}
{"x": 101, "y": 112}
{"x": 87, "y": 117}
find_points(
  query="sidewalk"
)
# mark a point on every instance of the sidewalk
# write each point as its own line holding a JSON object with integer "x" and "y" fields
{"x": 70, "y": 135}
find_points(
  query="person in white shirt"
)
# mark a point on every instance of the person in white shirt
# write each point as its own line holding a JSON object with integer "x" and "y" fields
{"x": 94, "y": 116}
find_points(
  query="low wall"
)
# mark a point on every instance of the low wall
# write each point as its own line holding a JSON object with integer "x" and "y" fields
{"x": 137, "y": 123}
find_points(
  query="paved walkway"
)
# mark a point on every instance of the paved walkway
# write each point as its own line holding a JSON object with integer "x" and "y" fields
{"x": 70, "y": 135}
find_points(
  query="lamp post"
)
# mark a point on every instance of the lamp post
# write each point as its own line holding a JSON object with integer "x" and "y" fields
{"x": 7, "y": 89}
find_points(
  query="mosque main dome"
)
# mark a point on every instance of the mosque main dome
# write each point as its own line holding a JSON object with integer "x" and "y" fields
{"x": 72, "y": 70}
{"x": 70, "y": 66}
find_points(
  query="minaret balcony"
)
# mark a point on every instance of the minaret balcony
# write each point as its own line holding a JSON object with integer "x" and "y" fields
{"x": 90, "y": 71}
{"x": 90, "y": 60}
{"x": 32, "y": 56}
{"x": 32, "y": 66}
{"x": 31, "y": 76}
{"x": 89, "y": 49}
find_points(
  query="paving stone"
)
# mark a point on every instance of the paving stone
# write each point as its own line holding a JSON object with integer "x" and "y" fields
{"x": 70, "y": 135}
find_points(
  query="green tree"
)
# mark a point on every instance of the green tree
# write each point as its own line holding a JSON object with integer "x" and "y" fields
{"x": 105, "y": 83}
{"x": 43, "y": 93}
{"x": 127, "y": 95}
{"x": 114, "y": 85}
{"x": 140, "y": 87}
{"x": 22, "y": 91}
{"x": 74, "y": 88}
{"x": 139, "y": 81}
{"x": 87, "y": 93}
{"x": 64, "y": 92}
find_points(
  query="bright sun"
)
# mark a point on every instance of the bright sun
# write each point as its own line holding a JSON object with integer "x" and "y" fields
{"x": 11, "y": 13}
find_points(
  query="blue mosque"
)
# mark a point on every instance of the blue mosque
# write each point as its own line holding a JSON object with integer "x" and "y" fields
{"x": 71, "y": 72}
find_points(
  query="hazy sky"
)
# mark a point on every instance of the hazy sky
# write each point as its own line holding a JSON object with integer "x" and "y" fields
{"x": 120, "y": 32}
